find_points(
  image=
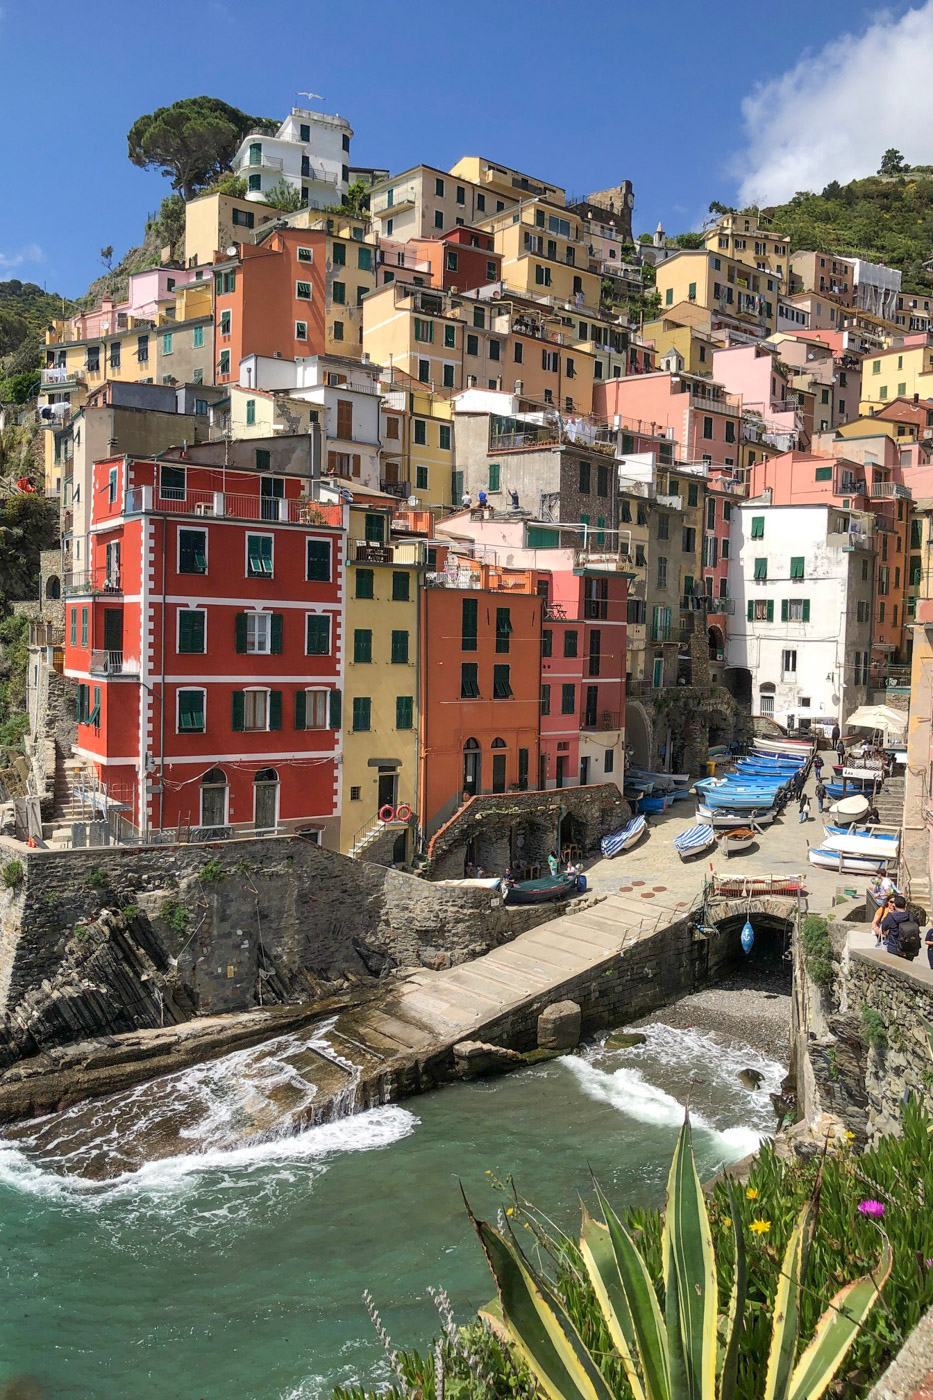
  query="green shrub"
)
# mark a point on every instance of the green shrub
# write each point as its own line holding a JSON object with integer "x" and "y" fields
{"x": 873, "y": 1025}
{"x": 818, "y": 956}
{"x": 97, "y": 879}
{"x": 13, "y": 873}
{"x": 175, "y": 914}
{"x": 130, "y": 912}
{"x": 212, "y": 870}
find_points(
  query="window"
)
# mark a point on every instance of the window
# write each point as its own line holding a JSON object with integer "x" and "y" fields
{"x": 662, "y": 571}
{"x": 421, "y": 478}
{"x": 424, "y": 330}
{"x": 797, "y": 566}
{"x": 602, "y": 480}
{"x": 192, "y": 551}
{"x": 438, "y": 218}
{"x": 823, "y": 474}
{"x": 663, "y": 526}
{"x": 339, "y": 293}
{"x": 469, "y": 683}
{"x": 518, "y": 352}
{"x": 191, "y": 630}
{"x": 452, "y": 260}
{"x": 250, "y": 412}
{"x": 503, "y": 629}
{"x": 259, "y": 556}
{"x": 115, "y": 353}
{"x": 568, "y": 699}
{"x": 400, "y": 647}
{"x": 585, "y": 478}
{"x": 404, "y": 711}
{"x": 494, "y": 476}
{"x": 688, "y": 540}
{"x": 226, "y": 322}
{"x": 788, "y": 663}
{"x": 223, "y": 364}
{"x": 545, "y": 699}
{"x": 693, "y": 494}
{"x": 761, "y": 611}
{"x": 74, "y": 627}
{"x": 472, "y": 344}
{"x": 542, "y": 275}
{"x": 795, "y": 610}
{"x": 317, "y": 635}
{"x": 501, "y": 684}
{"x": 362, "y": 710}
{"x": 491, "y": 271}
{"x": 469, "y": 613}
{"x": 318, "y": 561}
{"x": 364, "y": 259}
{"x": 190, "y": 712}
{"x": 420, "y": 432}
{"x": 450, "y": 337}
{"x": 761, "y": 569}
{"x": 481, "y": 203}
{"x": 401, "y": 587}
{"x": 758, "y": 527}
{"x": 547, "y": 642}
{"x": 570, "y": 643}
{"x": 364, "y": 583}
{"x": 443, "y": 437}
{"x": 301, "y": 330}
{"x": 243, "y": 218}
{"x": 362, "y": 646}
{"x": 302, "y": 292}
{"x": 339, "y": 254}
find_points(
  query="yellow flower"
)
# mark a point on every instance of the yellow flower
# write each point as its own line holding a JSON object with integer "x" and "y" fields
{"x": 761, "y": 1227}
{"x": 850, "y": 1137}
{"x": 489, "y": 1173}
{"x": 510, "y": 1211}
{"x": 751, "y": 1194}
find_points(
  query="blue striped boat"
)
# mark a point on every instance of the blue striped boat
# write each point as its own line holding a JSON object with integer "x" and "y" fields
{"x": 694, "y": 841}
{"x": 624, "y": 838}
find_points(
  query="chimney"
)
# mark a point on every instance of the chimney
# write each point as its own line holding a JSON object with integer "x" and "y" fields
{"x": 916, "y": 398}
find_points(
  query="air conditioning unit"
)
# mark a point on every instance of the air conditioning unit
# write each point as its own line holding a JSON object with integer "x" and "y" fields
{"x": 927, "y": 434}
{"x": 519, "y": 386}
{"x": 277, "y": 355}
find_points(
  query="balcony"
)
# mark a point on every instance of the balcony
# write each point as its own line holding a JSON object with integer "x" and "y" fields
{"x": 264, "y": 162}
{"x": 604, "y": 560}
{"x": 144, "y": 500}
{"x": 411, "y": 552}
{"x": 114, "y": 663}
{"x": 402, "y": 489}
{"x": 890, "y": 491}
{"x": 660, "y": 633}
{"x": 603, "y": 720}
{"x": 721, "y": 403}
{"x": 61, "y": 374}
{"x": 100, "y": 580}
{"x": 725, "y": 607}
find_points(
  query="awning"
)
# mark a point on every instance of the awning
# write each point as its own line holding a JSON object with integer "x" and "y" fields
{"x": 878, "y": 717}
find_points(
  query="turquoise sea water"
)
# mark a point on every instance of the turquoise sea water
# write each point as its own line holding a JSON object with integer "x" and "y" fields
{"x": 235, "y": 1272}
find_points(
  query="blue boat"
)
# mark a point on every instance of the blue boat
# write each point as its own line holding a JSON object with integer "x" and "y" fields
{"x": 694, "y": 841}
{"x": 852, "y": 787}
{"x": 659, "y": 803}
{"x": 858, "y": 830}
{"x": 732, "y": 801}
{"x": 624, "y": 838}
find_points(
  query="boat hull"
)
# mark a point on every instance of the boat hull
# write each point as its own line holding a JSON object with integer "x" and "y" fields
{"x": 739, "y": 839}
{"x": 625, "y": 838}
{"x": 542, "y": 891}
{"x": 695, "y": 841}
{"x": 852, "y": 865}
{"x": 724, "y": 820}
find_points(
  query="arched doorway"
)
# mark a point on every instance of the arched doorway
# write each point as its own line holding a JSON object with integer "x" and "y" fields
{"x": 738, "y": 682}
{"x": 766, "y": 700}
{"x": 214, "y": 798}
{"x": 472, "y": 768}
{"x": 637, "y": 735}
{"x": 717, "y": 643}
{"x": 498, "y": 765}
{"x": 53, "y": 587}
{"x": 266, "y": 799}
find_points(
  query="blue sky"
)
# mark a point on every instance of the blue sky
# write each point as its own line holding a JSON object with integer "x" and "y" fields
{"x": 585, "y": 95}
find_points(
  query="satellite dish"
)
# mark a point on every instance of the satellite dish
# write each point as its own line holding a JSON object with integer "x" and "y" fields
{"x": 412, "y": 500}
{"x": 231, "y": 251}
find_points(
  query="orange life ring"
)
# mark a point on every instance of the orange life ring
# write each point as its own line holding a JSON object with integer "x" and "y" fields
{"x": 386, "y": 813}
{"x": 403, "y": 813}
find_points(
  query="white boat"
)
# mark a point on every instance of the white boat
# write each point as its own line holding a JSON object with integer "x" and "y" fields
{"x": 881, "y": 847}
{"x": 851, "y": 865}
{"x": 724, "y": 820}
{"x": 694, "y": 841}
{"x": 880, "y": 833}
{"x": 796, "y": 748}
{"x": 738, "y": 838}
{"x": 624, "y": 838}
{"x": 849, "y": 809}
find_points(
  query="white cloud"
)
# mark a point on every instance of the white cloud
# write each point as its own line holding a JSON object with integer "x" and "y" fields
{"x": 32, "y": 253}
{"x": 833, "y": 115}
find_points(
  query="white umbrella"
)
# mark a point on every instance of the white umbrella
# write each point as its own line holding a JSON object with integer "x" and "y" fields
{"x": 878, "y": 717}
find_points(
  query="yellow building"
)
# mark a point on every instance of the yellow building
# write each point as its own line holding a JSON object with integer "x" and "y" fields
{"x": 899, "y": 372}
{"x": 545, "y": 252}
{"x": 215, "y": 221}
{"x": 380, "y": 738}
{"x": 743, "y": 238}
{"x": 417, "y": 434}
{"x": 504, "y": 181}
{"x": 720, "y": 284}
{"x": 695, "y": 346}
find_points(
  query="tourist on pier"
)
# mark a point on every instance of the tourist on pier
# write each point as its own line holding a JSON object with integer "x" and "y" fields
{"x": 881, "y": 913}
{"x": 820, "y": 795}
{"x": 834, "y": 738}
{"x": 818, "y": 768}
{"x": 804, "y": 808}
{"x": 841, "y": 751}
{"x": 891, "y": 925}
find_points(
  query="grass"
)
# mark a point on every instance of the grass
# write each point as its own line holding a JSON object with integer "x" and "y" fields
{"x": 818, "y": 956}
{"x": 873, "y": 1025}
{"x": 13, "y": 874}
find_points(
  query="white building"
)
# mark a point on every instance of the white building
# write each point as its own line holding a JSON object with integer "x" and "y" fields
{"x": 802, "y": 579}
{"x": 876, "y": 287}
{"x": 310, "y": 153}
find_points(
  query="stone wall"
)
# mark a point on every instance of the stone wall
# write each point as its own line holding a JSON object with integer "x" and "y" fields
{"x": 95, "y": 942}
{"x": 902, "y": 994}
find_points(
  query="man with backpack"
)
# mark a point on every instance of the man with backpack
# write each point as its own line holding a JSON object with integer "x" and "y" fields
{"x": 901, "y": 932}
{"x": 820, "y": 795}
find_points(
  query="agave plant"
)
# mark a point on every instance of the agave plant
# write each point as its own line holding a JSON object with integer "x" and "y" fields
{"x": 686, "y": 1351}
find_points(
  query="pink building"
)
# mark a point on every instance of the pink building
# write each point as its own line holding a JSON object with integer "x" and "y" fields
{"x": 698, "y": 415}
{"x": 754, "y": 374}
{"x": 146, "y": 290}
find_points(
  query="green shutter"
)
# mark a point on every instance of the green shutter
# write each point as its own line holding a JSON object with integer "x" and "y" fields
{"x": 275, "y": 709}
{"x": 238, "y": 709}
{"x": 400, "y": 647}
{"x": 494, "y": 472}
{"x": 276, "y": 634}
{"x": 783, "y": 609}
{"x": 190, "y": 631}
{"x": 806, "y": 609}
{"x": 404, "y": 705}
{"x": 240, "y": 633}
{"x": 335, "y": 709}
{"x": 318, "y": 634}
{"x": 751, "y": 610}
{"x": 770, "y": 610}
{"x": 301, "y": 709}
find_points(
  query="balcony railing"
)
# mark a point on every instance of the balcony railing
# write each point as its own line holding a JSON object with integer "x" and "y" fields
{"x": 100, "y": 580}
{"x": 395, "y": 488}
{"x": 604, "y": 719}
{"x": 114, "y": 663}
{"x": 890, "y": 490}
{"x": 722, "y": 403}
{"x": 144, "y": 500}
{"x": 366, "y": 552}
{"x": 724, "y": 606}
{"x": 660, "y": 633}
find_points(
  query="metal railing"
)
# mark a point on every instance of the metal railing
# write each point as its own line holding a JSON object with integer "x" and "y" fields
{"x": 606, "y": 719}
{"x": 100, "y": 580}
{"x": 890, "y": 490}
{"x": 395, "y": 488}
{"x": 660, "y": 633}
{"x": 114, "y": 663}
{"x": 365, "y": 552}
{"x": 295, "y": 511}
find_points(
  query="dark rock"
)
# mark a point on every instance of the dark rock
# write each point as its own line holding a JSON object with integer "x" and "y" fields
{"x": 624, "y": 1040}
{"x": 751, "y": 1078}
{"x": 475, "y": 1058}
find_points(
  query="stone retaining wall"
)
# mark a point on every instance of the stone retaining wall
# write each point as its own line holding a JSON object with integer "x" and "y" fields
{"x": 902, "y": 995}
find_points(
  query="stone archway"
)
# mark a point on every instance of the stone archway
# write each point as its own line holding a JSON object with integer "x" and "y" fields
{"x": 639, "y": 734}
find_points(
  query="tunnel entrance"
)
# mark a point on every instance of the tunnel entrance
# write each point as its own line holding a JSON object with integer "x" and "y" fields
{"x": 769, "y": 965}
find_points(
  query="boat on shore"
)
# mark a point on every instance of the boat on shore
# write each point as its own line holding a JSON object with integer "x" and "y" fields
{"x": 625, "y": 838}
{"x": 879, "y": 833}
{"x": 794, "y": 747}
{"x": 881, "y": 847}
{"x": 722, "y": 820}
{"x": 656, "y": 802}
{"x": 543, "y": 891}
{"x": 694, "y": 841}
{"x": 848, "y": 864}
{"x": 737, "y": 838}
{"x": 849, "y": 809}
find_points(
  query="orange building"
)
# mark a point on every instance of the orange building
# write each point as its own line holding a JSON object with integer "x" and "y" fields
{"x": 459, "y": 260}
{"x": 294, "y": 293}
{"x": 480, "y": 686}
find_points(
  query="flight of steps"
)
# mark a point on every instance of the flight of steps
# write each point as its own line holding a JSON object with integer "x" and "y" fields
{"x": 68, "y": 806}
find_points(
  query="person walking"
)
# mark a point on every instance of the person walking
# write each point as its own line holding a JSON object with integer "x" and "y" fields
{"x": 820, "y": 796}
{"x": 834, "y": 739}
{"x": 841, "y": 751}
{"x": 553, "y": 864}
{"x": 881, "y": 913}
{"x": 818, "y": 767}
{"x": 804, "y": 808}
{"x": 928, "y": 940}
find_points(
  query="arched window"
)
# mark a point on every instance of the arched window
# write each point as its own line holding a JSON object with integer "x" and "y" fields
{"x": 498, "y": 744}
{"x": 53, "y": 587}
{"x": 214, "y": 798}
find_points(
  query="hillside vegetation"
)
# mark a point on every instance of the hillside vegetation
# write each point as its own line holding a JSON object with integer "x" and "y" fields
{"x": 25, "y": 310}
{"x": 887, "y": 219}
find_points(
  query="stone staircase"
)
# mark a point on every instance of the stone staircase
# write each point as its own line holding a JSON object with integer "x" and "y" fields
{"x": 68, "y": 806}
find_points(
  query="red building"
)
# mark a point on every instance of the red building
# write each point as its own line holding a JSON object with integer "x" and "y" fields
{"x": 206, "y": 640}
{"x": 722, "y": 491}
{"x": 459, "y": 260}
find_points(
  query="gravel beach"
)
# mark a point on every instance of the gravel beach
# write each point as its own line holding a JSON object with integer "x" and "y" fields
{"x": 756, "y": 1012}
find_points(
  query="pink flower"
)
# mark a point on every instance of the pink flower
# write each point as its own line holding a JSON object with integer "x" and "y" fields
{"x": 874, "y": 1209}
